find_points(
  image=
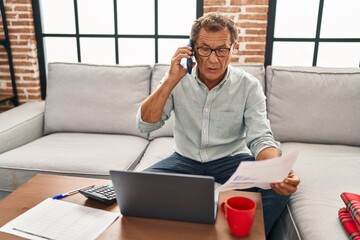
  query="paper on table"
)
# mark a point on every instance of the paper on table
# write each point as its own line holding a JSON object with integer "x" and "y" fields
{"x": 55, "y": 219}
{"x": 260, "y": 173}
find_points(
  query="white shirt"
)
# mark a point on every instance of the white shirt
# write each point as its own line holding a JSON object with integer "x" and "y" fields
{"x": 229, "y": 119}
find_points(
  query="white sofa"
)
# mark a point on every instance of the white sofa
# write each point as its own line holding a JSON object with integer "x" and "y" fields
{"x": 87, "y": 126}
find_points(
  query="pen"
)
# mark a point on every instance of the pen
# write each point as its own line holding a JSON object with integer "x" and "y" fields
{"x": 62, "y": 195}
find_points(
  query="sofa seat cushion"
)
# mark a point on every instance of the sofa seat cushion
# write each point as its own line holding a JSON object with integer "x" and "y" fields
{"x": 158, "y": 149}
{"x": 325, "y": 171}
{"x": 78, "y": 154}
{"x": 314, "y": 104}
{"x": 95, "y": 98}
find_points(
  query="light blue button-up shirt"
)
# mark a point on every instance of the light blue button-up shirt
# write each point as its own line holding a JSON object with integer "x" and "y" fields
{"x": 210, "y": 124}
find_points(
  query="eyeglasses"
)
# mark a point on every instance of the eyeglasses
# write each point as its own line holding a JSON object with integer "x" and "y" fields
{"x": 206, "y": 51}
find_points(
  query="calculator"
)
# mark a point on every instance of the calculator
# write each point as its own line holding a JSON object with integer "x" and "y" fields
{"x": 104, "y": 194}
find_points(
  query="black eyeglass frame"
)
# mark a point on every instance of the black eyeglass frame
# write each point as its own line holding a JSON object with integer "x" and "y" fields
{"x": 215, "y": 50}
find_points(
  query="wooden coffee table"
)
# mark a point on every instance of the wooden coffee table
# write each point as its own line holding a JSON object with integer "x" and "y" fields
{"x": 44, "y": 186}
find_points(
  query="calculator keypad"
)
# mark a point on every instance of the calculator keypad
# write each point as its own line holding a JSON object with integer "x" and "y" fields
{"x": 106, "y": 191}
{"x": 104, "y": 194}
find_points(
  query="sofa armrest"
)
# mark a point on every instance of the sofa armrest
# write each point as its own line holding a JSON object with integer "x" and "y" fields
{"x": 21, "y": 125}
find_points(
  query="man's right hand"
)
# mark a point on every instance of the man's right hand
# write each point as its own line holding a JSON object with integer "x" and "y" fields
{"x": 153, "y": 106}
{"x": 177, "y": 71}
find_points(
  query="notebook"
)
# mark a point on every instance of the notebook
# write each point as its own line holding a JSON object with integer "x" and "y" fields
{"x": 166, "y": 196}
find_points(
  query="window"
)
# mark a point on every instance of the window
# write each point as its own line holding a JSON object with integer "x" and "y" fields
{"x": 313, "y": 33}
{"x": 111, "y": 31}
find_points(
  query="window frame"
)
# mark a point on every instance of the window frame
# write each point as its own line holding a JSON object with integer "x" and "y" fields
{"x": 77, "y": 35}
{"x": 270, "y": 39}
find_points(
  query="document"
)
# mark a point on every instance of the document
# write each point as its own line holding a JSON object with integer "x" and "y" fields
{"x": 260, "y": 173}
{"x": 56, "y": 219}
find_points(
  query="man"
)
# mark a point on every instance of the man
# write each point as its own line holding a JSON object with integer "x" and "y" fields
{"x": 220, "y": 113}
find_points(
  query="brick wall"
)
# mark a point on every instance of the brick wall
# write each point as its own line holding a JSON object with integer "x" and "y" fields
{"x": 249, "y": 15}
{"x": 251, "y": 19}
{"x": 23, "y": 46}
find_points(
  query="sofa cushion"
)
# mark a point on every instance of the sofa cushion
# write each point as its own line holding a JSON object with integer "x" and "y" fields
{"x": 95, "y": 98}
{"x": 76, "y": 154}
{"x": 21, "y": 125}
{"x": 325, "y": 172}
{"x": 158, "y": 73}
{"x": 158, "y": 149}
{"x": 314, "y": 104}
{"x": 257, "y": 70}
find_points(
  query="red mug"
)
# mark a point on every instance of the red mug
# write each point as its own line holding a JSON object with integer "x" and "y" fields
{"x": 239, "y": 212}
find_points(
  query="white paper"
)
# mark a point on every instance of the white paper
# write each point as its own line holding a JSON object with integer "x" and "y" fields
{"x": 260, "y": 173}
{"x": 56, "y": 219}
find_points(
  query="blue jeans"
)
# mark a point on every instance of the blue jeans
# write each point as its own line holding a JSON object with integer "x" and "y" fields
{"x": 221, "y": 170}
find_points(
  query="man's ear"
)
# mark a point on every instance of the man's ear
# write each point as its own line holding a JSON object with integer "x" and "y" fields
{"x": 193, "y": 64}
{"x": 195, "y": 57}
{"x": 236, "y": 45}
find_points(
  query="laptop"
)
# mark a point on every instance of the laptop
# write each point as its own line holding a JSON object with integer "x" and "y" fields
{"x": 168, "y": 196}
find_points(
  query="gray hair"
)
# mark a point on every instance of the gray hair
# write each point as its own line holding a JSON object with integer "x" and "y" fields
{"x": 213, "y": 22}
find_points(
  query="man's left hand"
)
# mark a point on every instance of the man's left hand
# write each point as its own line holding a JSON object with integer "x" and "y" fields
{"x": 288, "y": 186}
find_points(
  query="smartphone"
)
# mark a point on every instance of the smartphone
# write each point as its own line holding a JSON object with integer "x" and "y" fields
{"x": 190, "y": 60}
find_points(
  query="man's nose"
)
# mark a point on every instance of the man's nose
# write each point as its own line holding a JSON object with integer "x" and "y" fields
{"x": 213, "y": 58}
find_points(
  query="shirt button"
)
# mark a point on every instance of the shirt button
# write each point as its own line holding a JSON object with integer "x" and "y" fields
{"x": 206, "y": 109}
{"x": 204, "y": 131}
